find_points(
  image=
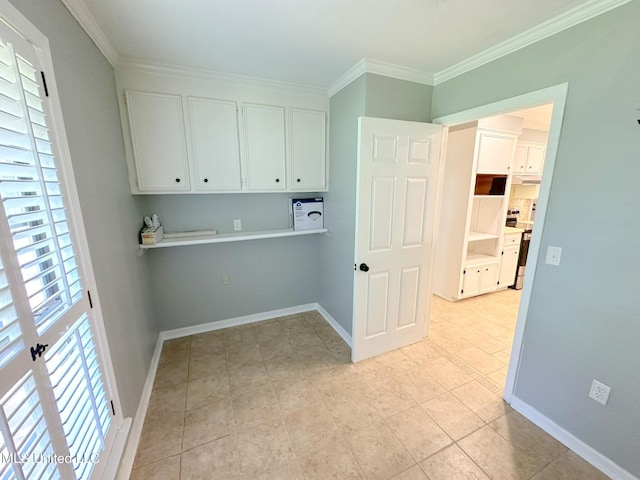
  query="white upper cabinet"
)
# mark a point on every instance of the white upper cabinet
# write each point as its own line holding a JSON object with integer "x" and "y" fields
{"x": 307, "y": 150}
{"x": 208, "y": 134}
{"x": 213, "y": 145}
{"x": 495, "y": 152}
{"x": 529, "y": 159}
{"x": 158, "y": 142}
{"x": 264, "y": 147}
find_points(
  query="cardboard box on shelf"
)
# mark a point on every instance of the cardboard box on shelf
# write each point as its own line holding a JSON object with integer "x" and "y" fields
{"x": 149, "y": 236}
{"x": 308, "y": 213}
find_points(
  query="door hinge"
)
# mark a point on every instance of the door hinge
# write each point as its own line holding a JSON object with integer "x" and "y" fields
{"x": 464, "y": 272}
{"x": 44, "y": 84}
{"x": 124, "y": 98}
{"x": 461, "y": 291}
{"x": 90, "y": 301}
{"x": 113, "y": 409}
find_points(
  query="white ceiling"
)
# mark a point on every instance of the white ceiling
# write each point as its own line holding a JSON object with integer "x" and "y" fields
{"x": 314, "y": 42}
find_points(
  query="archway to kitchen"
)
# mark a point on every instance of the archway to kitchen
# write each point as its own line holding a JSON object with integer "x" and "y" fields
{"x": 476, "y": 322}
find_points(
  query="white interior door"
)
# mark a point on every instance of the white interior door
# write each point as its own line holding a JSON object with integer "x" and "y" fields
{"x": 396, "y": 195}
{"x": 57, "y": 418}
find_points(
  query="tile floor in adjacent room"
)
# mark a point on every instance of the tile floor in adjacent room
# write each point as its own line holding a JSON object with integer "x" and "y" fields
{"x": 280, "y": 399}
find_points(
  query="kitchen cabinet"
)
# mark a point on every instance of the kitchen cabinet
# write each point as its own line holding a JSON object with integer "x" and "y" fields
{"x": 529, "y": 158}
{"x": 509, "y": 260}
{"x": 183, "y": 144}
{"x": 307, "y": 150}
{"x": 213, "y": 144}
{"x": 478, "y": 279}
{"x": 159, "y": 146}
{"x": 495, "y": 152}
{"x": 474, "y": 206}
{"x": 264, "y": 139}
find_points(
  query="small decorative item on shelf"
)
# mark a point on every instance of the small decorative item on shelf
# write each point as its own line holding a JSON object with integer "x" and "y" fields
{"x": 152, "y": 232}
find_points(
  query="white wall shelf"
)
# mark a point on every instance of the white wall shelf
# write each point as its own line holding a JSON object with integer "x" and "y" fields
{"x": 194, "y": 239}
{"x": 479, "y": 259}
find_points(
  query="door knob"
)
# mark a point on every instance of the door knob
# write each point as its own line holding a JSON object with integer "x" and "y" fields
{"x": 364, "y": 267}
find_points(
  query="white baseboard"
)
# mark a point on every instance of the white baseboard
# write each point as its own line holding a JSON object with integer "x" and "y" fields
{"x": 234, "y": 322}
{"x": 126, "y": 465}
{"x": 335, "y": 325}
{"x": 595, "y": 458}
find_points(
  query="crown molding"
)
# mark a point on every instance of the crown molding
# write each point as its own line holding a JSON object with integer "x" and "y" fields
{"x": 128, "y": 63}
{"x": 380, "y": 68}
{"x": 81, "y": 13}
{"x": 573, "y": 17}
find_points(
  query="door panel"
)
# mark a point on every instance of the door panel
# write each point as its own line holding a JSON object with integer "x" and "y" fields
{"x": 414, "y": 216}
{"x": 381, "y": 223}
{"x": 397, "y": 172}
{"x": 378, "y": 304}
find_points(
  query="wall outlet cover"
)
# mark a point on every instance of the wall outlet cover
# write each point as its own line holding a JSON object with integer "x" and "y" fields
{"x": 599, "y": 392}
{"x": 553, "y": 255}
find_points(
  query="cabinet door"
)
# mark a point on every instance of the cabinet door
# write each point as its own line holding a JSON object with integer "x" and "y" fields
{"x": 471, "y": 281}
{"x": 307, "y": 139}
{"x": 488, "y": 277}
{"x": 508, "y": 266}
{"x": 158, "y": 141}
{"x": 535, "y": 160}
{"x": 214, "y": 147}
{"x": 520, "y": 159}
{"x": 495, "y": 152}
{"x": 264, "y": 142}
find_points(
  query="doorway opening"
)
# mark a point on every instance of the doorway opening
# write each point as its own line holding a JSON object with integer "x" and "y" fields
{"x": 490, "y": 226}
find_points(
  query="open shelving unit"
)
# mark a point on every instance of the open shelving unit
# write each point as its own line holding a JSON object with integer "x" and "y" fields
{"x": 194, "y": 239}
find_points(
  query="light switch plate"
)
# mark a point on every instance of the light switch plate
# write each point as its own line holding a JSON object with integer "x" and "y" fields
{"x": 553, "y": 255}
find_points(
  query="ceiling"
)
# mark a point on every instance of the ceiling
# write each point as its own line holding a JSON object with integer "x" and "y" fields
{"x": 314, "y": 42}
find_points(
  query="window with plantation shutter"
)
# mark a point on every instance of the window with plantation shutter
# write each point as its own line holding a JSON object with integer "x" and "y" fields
{"x": 54, "y": 397}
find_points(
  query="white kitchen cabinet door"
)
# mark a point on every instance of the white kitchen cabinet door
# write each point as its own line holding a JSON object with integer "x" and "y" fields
{"x": 495, "y": 152}
{"x": 479, "y": 279}
{"x": 508, "y": 266}
{"x": 535, "y": 159}
{"x": 264, "y": 147}
{"x": 214, "y": 149}
{"x": 520, "y": 159}
{"x": 158, "y": 141}
{"x": 307, "y": 137}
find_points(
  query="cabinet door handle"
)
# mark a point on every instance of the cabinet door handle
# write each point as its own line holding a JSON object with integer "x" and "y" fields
{"x": 277, "y": 180}
{"x": 298, "y": 180}
{"x": 206, "y": 180}
{"x": 177, "y": 180}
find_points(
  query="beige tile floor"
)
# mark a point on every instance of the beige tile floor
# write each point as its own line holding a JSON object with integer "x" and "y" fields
{"x": 280, "y": 400}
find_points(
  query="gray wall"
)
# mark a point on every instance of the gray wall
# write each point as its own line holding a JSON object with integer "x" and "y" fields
{"x": 583, "y": 321}
{"x": 397, "y": 99}
{"x": 111, "y": 215}
{"x": 264, "y": 275}
{"x": 373, "y": 96}
{"x": 336, "y": 251}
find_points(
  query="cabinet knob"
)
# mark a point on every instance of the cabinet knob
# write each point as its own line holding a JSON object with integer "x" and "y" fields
{"x": 277, "y": 180}
{"x": 177, "y": 180}
{"x": 298, "y": 180}
{"x": 206, "y": 180}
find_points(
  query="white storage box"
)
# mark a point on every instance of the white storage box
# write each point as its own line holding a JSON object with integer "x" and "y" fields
{"x": 150, "y": 236}
{"x": 308, "y": 213}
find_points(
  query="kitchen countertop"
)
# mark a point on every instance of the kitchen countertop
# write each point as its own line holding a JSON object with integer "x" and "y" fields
{"x": 508, "y": 230}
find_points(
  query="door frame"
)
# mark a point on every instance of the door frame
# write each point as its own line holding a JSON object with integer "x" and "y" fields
{"x": 558, "y": 95}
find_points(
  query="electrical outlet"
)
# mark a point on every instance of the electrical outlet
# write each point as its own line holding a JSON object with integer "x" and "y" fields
{"x": 237, "y": 225}
{"x": 553, "y": 255}
{"x": 599, "y": 392}
{"x": 225, "y": 279}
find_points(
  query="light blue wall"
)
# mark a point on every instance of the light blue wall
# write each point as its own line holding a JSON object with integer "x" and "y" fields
{"x": 336, "y": 251}
{"x": 583, "y": 322}
{"x": 397, "y": 99}
{"x": 111, "y": 215}
{"x": 264, "y": 275}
